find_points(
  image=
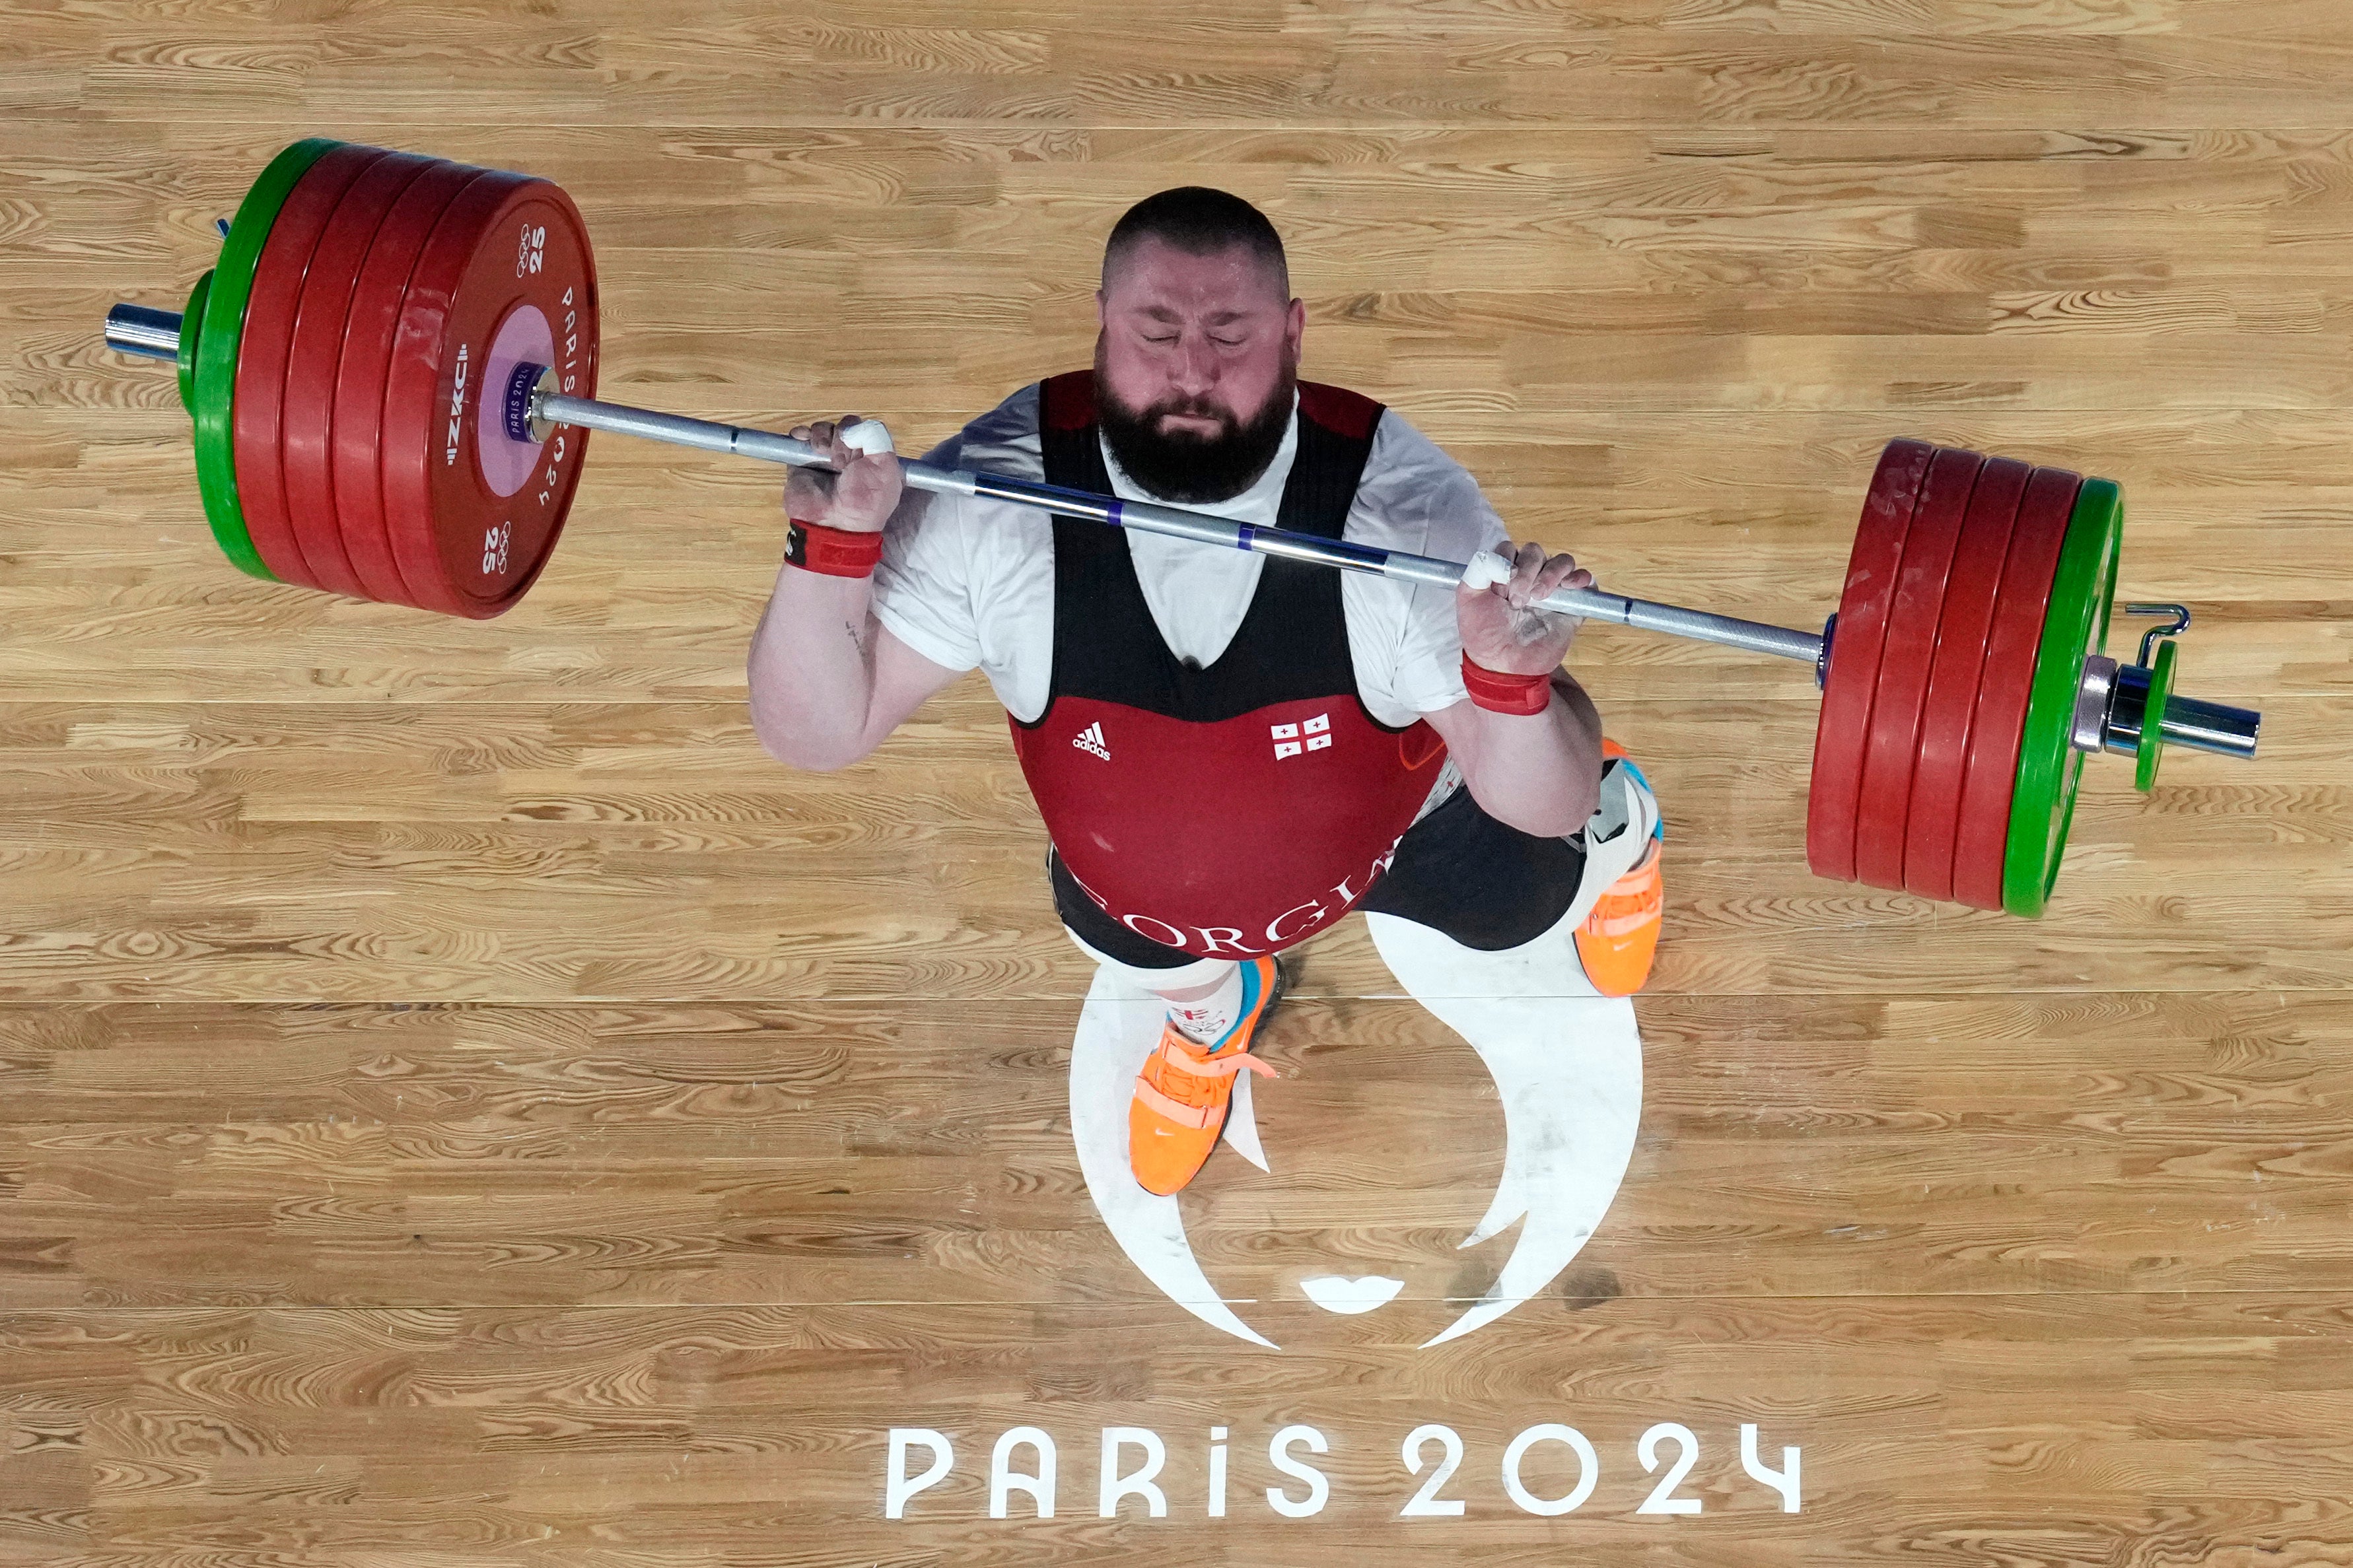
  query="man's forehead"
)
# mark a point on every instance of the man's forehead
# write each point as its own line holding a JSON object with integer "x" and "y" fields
{"x": 1160, "y": 311}
{"x": 1155, "y": 278}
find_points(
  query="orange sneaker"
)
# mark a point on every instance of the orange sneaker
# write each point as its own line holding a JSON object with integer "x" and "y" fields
{"x": 1620, "y": 935}
{"x": 1185, "y": 1088}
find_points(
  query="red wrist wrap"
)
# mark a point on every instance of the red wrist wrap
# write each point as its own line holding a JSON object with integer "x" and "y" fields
{"x": 1502, "y": 693}
{"x": 836, "y": 551}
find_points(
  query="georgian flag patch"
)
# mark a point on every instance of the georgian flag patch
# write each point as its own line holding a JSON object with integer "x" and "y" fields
{"x": 1312, "y": 736}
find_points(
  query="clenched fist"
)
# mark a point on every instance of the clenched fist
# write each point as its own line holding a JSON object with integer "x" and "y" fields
{"x": 1501, "y": 629}
{"x": 857, "y": 497}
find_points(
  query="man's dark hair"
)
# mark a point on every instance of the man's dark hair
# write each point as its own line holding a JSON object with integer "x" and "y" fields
{"x": 1197, "y": 221}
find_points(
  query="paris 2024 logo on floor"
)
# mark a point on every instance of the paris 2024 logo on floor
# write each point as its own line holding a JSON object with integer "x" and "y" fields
{"x": 1568, "y": 1065}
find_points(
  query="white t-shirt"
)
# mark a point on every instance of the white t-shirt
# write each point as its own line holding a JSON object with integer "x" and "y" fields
{"x": 969, "y": 582}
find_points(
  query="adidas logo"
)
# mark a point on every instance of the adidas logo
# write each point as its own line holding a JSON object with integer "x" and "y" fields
{"x": 1091, "y": 739}
{"x": 1314, "y": 735}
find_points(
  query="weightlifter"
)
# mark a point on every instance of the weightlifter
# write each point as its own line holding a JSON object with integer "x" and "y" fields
{"x": 1230, "y": 751}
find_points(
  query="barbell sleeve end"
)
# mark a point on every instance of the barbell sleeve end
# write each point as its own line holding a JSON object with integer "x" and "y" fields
{"x": 2213, "y": 727}
{"x": 142, "y": 330}
{"x": 2112, "y": 707}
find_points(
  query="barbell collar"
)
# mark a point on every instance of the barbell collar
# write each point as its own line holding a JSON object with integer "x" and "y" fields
{"x": 2093, "y": 703}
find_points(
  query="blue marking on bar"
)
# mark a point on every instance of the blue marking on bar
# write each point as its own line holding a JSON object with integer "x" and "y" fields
{"x": 1116, "y": 507}
{"x": 1247, "y": 533}
{"x": 1362, "y": 552}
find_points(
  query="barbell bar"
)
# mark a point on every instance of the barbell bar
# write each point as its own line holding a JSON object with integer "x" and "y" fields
{"x": 1398, "y": 566}
{"x": 424, "y": 338}
{"x": 135, "y": 328}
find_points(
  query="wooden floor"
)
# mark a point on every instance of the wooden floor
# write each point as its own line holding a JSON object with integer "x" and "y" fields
{"x": 462, "y": 1104}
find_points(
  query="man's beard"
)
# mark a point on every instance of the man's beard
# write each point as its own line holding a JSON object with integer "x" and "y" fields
{"x": 1184, "y": 466}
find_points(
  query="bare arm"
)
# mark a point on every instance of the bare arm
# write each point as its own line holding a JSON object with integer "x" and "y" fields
{"x": 829, "y": 683}
{"x": 1540, "y": 773}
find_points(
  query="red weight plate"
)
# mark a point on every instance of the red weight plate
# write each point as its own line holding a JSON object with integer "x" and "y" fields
{"x": 1933, "y": 819}
{"x": 367, "y": 358}
{"x": 306, "y": 422}
{"x": 277, "y": 279}
{"x": 1903, "y": 660}
{"x": 1853, "y": 668}
{"x": 506, "y": 280}
{"x": 1999, "y": 723}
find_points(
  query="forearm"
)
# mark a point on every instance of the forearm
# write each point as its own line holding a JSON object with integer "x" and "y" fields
{"x": 1540, "y": 773}
{"x": 811, "y": 670}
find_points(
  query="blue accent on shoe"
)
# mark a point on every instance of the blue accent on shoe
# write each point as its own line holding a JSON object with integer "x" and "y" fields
{"x": 1249, "y": 1004}
{"x": 1658, "y": 828}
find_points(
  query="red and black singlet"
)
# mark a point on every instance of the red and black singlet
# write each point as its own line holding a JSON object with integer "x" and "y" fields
{"x": 1233, "y": 809}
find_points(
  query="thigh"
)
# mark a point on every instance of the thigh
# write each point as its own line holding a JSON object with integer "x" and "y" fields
{"x": 1485, "y": 884}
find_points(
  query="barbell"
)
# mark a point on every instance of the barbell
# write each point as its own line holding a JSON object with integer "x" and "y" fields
{"x": 391, "y": 369}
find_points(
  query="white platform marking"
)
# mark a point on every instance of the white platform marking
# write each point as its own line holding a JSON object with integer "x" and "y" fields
{"x": 1337, "y": 1293}
{"x": 1567, "y": 1064}
{"x": 1242, "y": 1123}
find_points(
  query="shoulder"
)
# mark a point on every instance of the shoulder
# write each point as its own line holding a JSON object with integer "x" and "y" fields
{"x": 1345, "y": 413}
{"x": 1004, "y": 440}
{"x": 961, "y": 578}
{"x": 1415, "y": 497}
{"x": 967, "y": 537}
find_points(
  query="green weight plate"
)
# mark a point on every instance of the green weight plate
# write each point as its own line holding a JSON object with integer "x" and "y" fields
{"x": 2160, "y": 687}
{"x": 191, "y": 328}
{"x": 2075, "y": 626}
{"x": 214, "y": 381}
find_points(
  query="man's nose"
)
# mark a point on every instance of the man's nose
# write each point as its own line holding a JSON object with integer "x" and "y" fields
{"x": 1197, "y": 363}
